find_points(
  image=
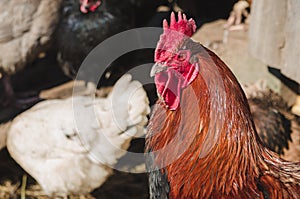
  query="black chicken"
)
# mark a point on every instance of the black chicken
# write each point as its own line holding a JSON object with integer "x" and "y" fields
{"x": 78, "y": 33}
{"x": 276, "y": 126}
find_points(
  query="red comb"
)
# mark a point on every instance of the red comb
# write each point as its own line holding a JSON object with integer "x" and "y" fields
{"x": 87, "y": 6}
{"x": 187, "y": 27}
{"x": 174, "y": 34}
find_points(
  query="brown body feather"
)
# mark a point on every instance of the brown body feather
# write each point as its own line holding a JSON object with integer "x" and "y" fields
{"x": 215, "y": 151}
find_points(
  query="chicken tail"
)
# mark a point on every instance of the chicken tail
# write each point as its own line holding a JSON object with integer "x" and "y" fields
{"x": 122, "y": 119}
{"x": 130, "y": 104}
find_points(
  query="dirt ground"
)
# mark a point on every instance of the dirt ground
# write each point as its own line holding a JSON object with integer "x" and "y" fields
{"x": 120, "y": 185}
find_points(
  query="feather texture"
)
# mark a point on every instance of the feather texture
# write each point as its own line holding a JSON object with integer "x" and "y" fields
{"x": 208, "y": 147}
{"x": 277, "y": 127}
{"x": 218, "y": 155}
{"x": 70, "y": 145}
{"x": 26, "y": 27}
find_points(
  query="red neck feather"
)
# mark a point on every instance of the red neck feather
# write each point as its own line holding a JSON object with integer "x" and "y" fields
{"x": 209, "y": 146}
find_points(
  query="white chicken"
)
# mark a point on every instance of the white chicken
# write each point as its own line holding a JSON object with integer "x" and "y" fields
{"x": 71, "y": 145}
{"x": 26, "y": 30}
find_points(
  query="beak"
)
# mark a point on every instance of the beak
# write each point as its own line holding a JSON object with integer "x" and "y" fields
{"x": 157, "y": 68}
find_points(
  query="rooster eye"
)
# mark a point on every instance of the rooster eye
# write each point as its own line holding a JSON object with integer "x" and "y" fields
{"x": 181, "y": 56}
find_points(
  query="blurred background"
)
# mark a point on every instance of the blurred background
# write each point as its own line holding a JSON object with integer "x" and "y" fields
{"x": 43, "y": 43}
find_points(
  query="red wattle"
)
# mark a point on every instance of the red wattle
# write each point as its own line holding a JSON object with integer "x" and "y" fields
{"x": 169, "y": 84}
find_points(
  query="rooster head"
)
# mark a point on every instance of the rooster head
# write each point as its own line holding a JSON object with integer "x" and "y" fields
{"x": 175, "y": 66}
{"x": 89, "y": 5}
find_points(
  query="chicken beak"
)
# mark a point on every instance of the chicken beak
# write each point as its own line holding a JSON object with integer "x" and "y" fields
{"x": 157, "y": 68}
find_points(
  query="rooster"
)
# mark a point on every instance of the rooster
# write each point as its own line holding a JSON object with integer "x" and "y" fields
{"x": 201, "y": 140}
{"x": 67, "y": 150}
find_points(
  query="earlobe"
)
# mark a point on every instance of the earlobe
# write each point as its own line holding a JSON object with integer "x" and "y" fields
{"x": 197, "y": 66}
